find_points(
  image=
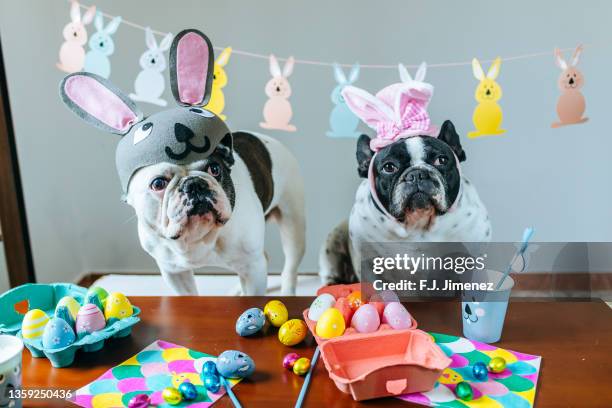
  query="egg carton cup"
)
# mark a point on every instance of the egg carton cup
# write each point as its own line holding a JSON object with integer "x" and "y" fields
{"x": 386, "y": 362}
{"x": 46, "y": 297}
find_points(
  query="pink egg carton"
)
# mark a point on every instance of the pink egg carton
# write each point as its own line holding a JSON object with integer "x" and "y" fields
{"x": 383, "y": 363}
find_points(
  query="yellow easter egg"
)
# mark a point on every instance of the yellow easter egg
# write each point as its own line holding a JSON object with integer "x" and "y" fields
{"x": 292, "y": 332}
{"x": 72, "y": 305}
{"x": 33, "y": 324}
{"x": 117, "y": 306}
{"x": 330, "y": 324}
{"x": 276, "y": 312}
{"x": 301, "y": 366}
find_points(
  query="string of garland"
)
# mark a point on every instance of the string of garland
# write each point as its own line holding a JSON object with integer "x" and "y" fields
{"x": 149, "y": 85}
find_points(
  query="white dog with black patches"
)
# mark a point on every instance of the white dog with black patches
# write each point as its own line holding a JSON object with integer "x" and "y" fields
{"x": 413, "y": 189}
{"x": 202, "y": 194}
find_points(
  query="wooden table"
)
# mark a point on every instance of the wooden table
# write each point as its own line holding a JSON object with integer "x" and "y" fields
{"x": 574, "y": 338}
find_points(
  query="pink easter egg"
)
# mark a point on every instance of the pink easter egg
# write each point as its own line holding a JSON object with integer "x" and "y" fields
{"x": 366, "y": 319}
{"x": 89, "y": 319}
{"x": 396, "y": 316}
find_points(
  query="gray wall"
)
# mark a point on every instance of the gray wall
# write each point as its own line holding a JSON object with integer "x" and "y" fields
{"x": 555, "y": 180}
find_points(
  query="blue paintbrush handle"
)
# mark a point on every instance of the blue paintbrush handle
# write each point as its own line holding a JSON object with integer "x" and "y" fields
{"x": 304, "y": 389}
{"x": 228, "y": 389}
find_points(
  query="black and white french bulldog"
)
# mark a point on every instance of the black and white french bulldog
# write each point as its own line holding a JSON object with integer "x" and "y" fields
{"x": 202, "y": 194}
{"x": 415, "y": 193}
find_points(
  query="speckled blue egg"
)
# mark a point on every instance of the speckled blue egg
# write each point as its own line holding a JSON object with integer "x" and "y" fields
{"x": 235, "y": 364}
{"x": 212, "y": 382}
{"x": 57, "y": 334}
{"x": 209, "y": 367}
{"x": 188, "y": 391}
{"x": 250, "y": 322}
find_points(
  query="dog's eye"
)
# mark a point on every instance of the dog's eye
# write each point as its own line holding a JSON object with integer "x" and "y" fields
{"x": 441, "y": 160}
{"x": 389, "y": 168}
{"x": 158, "y": 184}
{"x": 214, "y": 169}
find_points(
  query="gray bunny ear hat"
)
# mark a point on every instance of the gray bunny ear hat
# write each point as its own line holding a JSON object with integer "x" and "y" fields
{"x": 180, "y": 135}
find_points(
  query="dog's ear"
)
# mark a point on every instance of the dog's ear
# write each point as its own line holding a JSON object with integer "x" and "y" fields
{"x": 225, "y": 149}
{"x": 449, "y": 135}
{"x": 364, "y": 155}
{"x": 191, "y": 68}
{"x": 99, "y": 103}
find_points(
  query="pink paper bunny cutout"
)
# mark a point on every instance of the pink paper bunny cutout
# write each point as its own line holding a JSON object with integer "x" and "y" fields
{"x": 396, "y": 112}
{"x": 277, "y": 111}
{"x": 72, "y": 51}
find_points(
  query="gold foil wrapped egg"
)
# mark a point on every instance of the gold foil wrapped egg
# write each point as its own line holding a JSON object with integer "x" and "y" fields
{"x": 301, "y": 366}
{"x": 497, "y": 365}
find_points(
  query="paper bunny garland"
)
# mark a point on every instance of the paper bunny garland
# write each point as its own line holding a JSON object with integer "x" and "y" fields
{"x": 180, "y": 135}
{"x": 571, "y": 104}
{"x": 101, "y": 46}
{"x": 277, "y": 111}
{"x": 149, "y": 85}
{"x": 217, "y": 99}
{"x": 342, "y": 121}
{"x": 488, "y": 114}
{"x": 72, "y": 51}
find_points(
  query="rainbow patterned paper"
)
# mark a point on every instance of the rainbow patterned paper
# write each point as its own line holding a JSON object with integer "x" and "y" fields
{"x": 515, "y": 387}
{"x": 157, "y": 366}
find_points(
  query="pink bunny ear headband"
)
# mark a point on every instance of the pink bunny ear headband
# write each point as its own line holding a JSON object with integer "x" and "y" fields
{"x": 397, "y": 112}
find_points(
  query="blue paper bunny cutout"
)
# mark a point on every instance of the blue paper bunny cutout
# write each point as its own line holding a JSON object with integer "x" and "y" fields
{"x": 101, "y": 46}
{"x": 342, "y": 121}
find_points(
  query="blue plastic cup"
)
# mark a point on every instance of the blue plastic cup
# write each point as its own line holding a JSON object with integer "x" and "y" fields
{"x": 483, "y": 313}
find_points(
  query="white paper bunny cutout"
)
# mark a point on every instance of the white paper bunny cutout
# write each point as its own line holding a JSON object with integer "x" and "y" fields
{"x": 342, "y": 121}
{"x": 277, "y": 111}
{"x": 101, "y": 46}
{"x": 418, "y": 77}
{"x": 72, "y": 51}
{"x": 149, "y": 85}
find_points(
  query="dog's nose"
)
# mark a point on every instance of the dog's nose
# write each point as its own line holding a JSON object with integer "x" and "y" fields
{"x": 414, "y": 176}
{"x": 468, "y": 310}
{"x": 571, "y": 81}
{"x": 194, "y": 187}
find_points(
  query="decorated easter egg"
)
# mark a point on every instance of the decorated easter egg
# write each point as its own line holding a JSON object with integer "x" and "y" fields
{"x": 497, "y": 364}
{"x": 117, "y": 306}
{"x": 71, "y": 304}
{"x": 396, "y": 316}
{"x": 89, "y": 319}
{"x": 289, "y": 360}
{"x": 276, "y": 312}
{"x": 250, "y": 322}
{"x": 33, "y": 324}
{"x": 319, "y": 305}
{"x": 210, "y": 367}
{"x": 62, "y": 312}
{"x": 330, "y": 324}
{"x": 355, "y": 300}
{"x": 292, "y": 332}
{"x": 139, "y": 401}
{"x": 343, "y": 306}
{"x": 480, "y": 371}
{"x": 99, "y": 292}
{"x": 212, "y": 382}
{"x": 188, "y": 391}
{"x": 464, "y": 391}
{"x": 57, "y": 334}
{"x": 301, "y": 366}
{"x": 172, "y": 396}
{"x": 235, "y": 364}
{"x": 366, "y": 319}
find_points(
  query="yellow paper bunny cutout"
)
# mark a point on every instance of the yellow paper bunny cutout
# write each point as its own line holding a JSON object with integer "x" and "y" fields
{"x": 488, "y": 114}
{"x": 217, "y": 99}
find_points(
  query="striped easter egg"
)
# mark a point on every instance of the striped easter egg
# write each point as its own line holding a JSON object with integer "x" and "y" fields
{"x": 89, "y": 319}
{"x": 33, "y": 324}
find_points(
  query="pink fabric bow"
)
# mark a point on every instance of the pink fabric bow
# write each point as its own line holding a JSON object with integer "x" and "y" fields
{"x": 396, "y": 112}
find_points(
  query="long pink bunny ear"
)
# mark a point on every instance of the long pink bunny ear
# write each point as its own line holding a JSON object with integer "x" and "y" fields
{"x": 99, "y": 103}
{"x": 191, "y": 68}
{"x": 367, "y": 107}
{"x": 411, "y": 109}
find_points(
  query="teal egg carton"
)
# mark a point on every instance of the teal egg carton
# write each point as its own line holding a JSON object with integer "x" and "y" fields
{"x": 46, "y": 297}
